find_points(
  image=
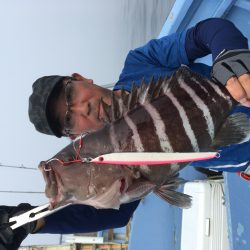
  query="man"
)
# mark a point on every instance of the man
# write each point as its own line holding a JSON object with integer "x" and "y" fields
{"x": 68, "y": 106}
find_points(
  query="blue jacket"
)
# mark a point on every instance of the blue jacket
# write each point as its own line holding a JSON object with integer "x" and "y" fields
{"x": 159, "y": 57}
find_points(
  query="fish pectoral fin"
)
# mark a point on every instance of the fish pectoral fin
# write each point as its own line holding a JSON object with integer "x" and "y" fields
{"x": 173, "y": 182}
{"x": 235, "y": 130}
{"x": 137, "y": 191}
{"x": 167, "y": 192}
{"x": 173, "y": 197}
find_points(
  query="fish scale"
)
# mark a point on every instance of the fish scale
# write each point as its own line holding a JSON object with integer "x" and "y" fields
{"x": 179, "y": 114}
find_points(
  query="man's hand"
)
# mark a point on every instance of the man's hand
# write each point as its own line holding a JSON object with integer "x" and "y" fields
{"x": 232, "y": 68}
{"x": 12, "y": 239}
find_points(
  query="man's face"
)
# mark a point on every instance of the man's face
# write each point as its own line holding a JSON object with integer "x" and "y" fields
{"x": 78, "y": 108}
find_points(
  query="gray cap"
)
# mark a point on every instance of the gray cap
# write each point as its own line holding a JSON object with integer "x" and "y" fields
{"x": 42, "y": 89}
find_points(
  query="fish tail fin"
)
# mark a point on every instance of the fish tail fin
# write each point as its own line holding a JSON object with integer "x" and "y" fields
{"x": 235, "y": 130}
{"x": 167, "y": 192}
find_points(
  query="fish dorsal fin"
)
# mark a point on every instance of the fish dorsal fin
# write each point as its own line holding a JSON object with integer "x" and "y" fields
{"x": 148, "y": 93}
{"x": 145, "y": 93}
{"x": 138, "y": 96}
{"x": 115, "y": 108}
{"x": 172, "y": 82}
{"x": 132, "y": 97}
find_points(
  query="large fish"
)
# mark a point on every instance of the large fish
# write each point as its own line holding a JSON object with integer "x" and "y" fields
{"x": 186, "y": 113}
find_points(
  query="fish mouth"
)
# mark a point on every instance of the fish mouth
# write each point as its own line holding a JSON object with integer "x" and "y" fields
{"x": 53, "y": 189}
{"x": 58, "y": 197}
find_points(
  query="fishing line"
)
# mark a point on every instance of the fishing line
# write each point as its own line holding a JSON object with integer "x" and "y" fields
{"x": 20, "y": 167}
{"x": 21, "y": 192}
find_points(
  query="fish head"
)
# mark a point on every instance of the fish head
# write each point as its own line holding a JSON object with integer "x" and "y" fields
{"x": 75, "y": 181}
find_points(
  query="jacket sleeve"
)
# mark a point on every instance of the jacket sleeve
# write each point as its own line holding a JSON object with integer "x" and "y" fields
{"x": 213, "y": 36}
{"x": 209, "y": 36}
{"x": 83, "y": 219}
{"x": 168, "y": 51}
{"x": 159, "y": 57}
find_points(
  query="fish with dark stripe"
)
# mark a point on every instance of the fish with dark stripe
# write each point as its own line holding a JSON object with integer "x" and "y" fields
{"x": 186, "y": 113}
